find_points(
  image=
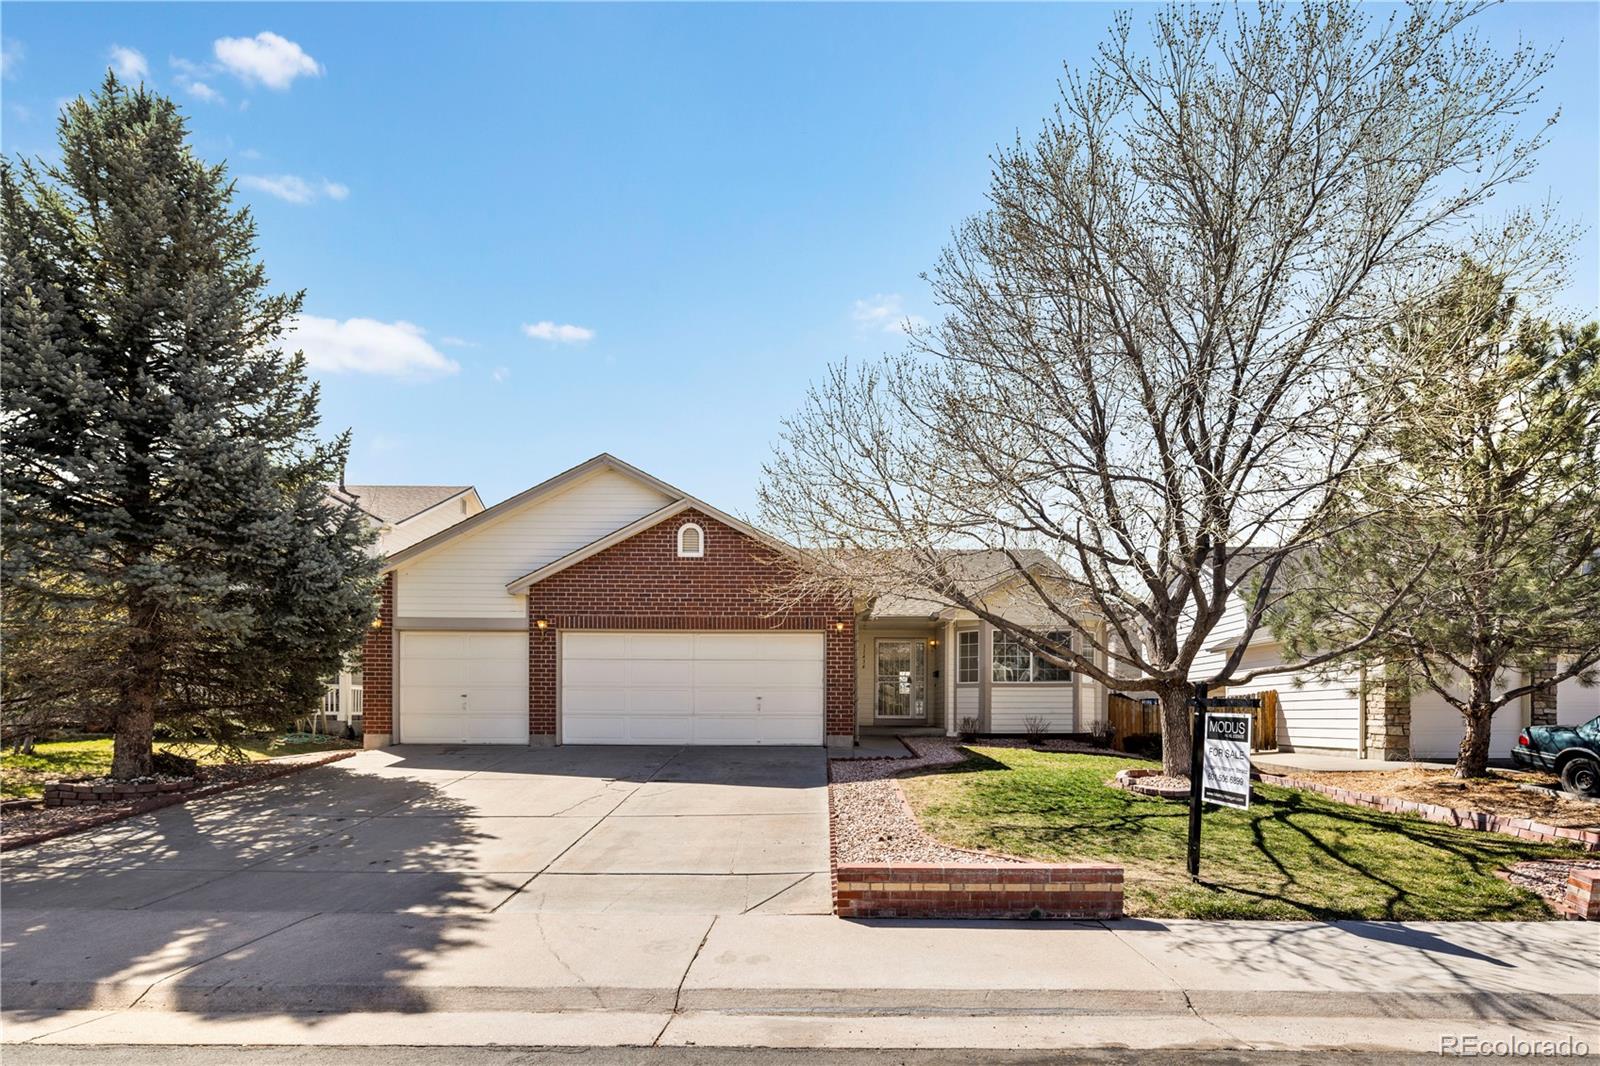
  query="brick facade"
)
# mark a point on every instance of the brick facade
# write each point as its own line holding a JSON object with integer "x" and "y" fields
{"x": 642, "y": 583}
{"x": 977, "y": 890}
{"x": 377, "y": 671}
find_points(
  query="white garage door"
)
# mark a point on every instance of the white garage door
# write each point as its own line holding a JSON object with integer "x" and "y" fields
{"x": 464, "y": 688}
{"x": 1437, "y": 727}
{"x": 691, "y": 688}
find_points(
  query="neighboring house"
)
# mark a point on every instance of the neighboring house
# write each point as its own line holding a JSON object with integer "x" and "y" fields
{"x": 401, "y": 515}
{"x": 1348, "y": 712}
{"x": 604, "y": 606}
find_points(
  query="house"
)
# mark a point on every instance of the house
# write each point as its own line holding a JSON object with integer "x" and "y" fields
{"x": 1348, "y": 712}
{"x": 401, "y": 515}
{"x": 604, "y": 606}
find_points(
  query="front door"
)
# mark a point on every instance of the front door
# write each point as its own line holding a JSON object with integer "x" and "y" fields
{"x": 902, "y": 679}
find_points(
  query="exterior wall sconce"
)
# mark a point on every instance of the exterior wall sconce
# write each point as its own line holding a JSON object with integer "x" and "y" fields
{"x": 838, "y": 627}
{"x": 377, "y": 623}
{"x": 933, "y": 643}
{"x": 543, "y": 623}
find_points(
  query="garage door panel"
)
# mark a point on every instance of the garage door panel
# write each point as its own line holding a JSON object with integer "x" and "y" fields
{"x": 463, "y": 688}
{"x": 657, "y": 672}
{"x": 760, "y": 673}
{"x": 803, "y": 646}
{"x": 772, "y": 702}
{"x": 692, "y": 688}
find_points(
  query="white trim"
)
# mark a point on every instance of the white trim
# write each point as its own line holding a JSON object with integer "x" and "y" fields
{"x": 441, "y": 503}
{"x": 699, "y": 551}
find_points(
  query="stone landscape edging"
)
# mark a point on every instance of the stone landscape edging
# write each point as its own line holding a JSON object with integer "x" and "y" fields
{"x": 1582, "y": 898}
{"x": 170, "y": 799}
{"x": 1461, "y": 818}
{"x": 996, "y": 886}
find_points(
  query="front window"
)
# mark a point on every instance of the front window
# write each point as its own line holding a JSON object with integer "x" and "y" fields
{"x": 967, "y": 657}
{"x": 1014, "y": 663}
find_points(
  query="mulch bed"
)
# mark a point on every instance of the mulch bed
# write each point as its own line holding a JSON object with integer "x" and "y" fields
{"x": 1499, "y": 793}
{"x": 20, "y": 826}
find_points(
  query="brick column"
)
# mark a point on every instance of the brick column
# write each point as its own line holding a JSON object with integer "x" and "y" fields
{"x": 1388, "y": 719}
{"x": 377, "y": 672}
{"x": 839, "y": 671}
{"x": 542, "y": 683}
{"x": 1542, "y": 708}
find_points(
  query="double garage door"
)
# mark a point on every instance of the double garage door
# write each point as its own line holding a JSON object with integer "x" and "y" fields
{"x": 616, "y": 688}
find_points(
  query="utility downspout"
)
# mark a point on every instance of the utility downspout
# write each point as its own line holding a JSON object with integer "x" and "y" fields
{"x": 1361, "y": 713}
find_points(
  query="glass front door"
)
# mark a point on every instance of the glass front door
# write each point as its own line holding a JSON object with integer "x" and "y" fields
{"x": 902, "y": 679}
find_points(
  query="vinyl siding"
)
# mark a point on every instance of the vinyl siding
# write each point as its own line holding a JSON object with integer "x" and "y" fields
{"x": 966, "y": 702}
{"x": 429, "y": 522}
{"x": 1011, "y": 704}
{"x": 467, "y": 577}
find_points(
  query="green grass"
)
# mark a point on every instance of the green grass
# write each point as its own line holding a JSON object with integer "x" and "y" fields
{"x": 24, "y": 776}
{"x": 1292, "y": 855}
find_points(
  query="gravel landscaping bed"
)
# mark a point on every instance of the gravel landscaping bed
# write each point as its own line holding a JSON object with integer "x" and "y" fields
{"x": 21, "y": 825}
{"x": 872, "y": 821}
{"x": 1547, "y": 878}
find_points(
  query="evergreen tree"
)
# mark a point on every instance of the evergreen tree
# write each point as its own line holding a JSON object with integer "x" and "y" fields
{"x": 1482, "y": 518}
{"x": 170, "y": 552}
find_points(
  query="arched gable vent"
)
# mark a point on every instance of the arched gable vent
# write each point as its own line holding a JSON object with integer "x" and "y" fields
{"x": 691, "y": 541}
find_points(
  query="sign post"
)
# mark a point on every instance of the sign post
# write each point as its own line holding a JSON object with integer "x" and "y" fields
{"x": 1219, "y": 761}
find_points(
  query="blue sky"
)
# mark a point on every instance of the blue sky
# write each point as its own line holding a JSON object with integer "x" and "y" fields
{"x": 529, "y": 234}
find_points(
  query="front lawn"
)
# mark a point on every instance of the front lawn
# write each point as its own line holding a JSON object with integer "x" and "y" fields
{"x": 23, "y": 776}
{"x": 1292, "y": 855}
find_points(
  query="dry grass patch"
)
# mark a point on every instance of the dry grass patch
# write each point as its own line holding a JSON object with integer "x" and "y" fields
{"x": 1496, "y": 794}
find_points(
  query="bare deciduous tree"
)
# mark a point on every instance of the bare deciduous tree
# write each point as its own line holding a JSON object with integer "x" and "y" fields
{"x": 1145, "y": 362}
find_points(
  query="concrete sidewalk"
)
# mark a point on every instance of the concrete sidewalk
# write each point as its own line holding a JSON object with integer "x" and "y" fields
{"x": 217, "y": 963}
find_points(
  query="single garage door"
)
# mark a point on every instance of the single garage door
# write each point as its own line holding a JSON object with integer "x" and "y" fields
{"x": 691, "y": 688}
{"x": 464, "y": 688}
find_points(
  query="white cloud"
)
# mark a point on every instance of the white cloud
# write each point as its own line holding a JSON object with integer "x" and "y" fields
{"x": 19, "y": 112}
{"x": 265, "y": 59}
{"x": 500, "y": 373}
{"x": 129, "y": 63}
{"x": 293, "y": 188}
{"x": 11, "y": 53}
{"x": 885, "y": 311}
{"x": 367, "y": 346}
{"x": 565, "y": 333}
{"x": 200, "y": 90}
{"x": 457, "y": 342}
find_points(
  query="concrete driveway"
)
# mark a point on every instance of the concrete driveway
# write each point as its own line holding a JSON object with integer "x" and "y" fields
{"x": 452, "y": 830}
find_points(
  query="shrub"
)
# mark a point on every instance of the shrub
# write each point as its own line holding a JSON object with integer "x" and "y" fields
{"x": 1034, "y": 728}
{"x": 967, "y": 728}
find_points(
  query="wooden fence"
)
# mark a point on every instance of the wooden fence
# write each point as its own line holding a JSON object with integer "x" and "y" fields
{"x": 1131, "y": 717}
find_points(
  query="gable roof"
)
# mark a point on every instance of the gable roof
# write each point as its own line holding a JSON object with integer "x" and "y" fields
{"x": 604, "y": 461}
{"x": 393, "y": 504}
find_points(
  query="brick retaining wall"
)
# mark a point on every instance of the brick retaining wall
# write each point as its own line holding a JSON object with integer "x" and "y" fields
{"x": 1523, "y": 828}
{"x": 977, "y": 890}
{"x": 1583, "y": 895}
{"x": 86, "y": 793}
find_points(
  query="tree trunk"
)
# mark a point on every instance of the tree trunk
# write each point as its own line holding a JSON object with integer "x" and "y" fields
{"x": 1473, "y": 758}
{"x": 133, "y": 748}
{"x": 1175, "y": 724}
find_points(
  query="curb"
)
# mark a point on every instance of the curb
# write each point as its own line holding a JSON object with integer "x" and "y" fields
{"x": 170, "y": 800}
{"x": 898, "y": 1002}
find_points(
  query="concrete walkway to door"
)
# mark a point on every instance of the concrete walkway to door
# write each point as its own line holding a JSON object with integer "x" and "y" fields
{"x": 471, "y": 829}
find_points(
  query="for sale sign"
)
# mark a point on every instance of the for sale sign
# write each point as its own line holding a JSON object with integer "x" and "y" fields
{"x": 1225, "y": 776}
